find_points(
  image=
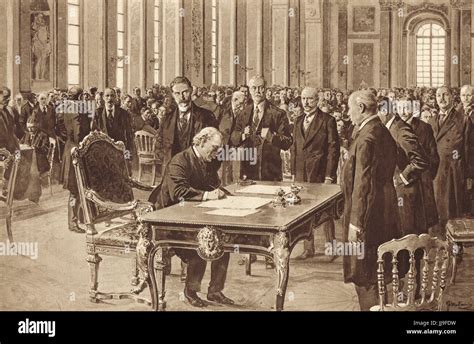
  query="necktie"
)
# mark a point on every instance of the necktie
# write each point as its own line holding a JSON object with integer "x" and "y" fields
{"x": 442, "y": 118}
{"x": 307, "y": 122}
{"x": 256, "y": 119}
{"x": 183, "y": 122}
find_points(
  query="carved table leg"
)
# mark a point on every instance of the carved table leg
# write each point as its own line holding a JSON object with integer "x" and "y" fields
{"x": 135, "y": 278}
{"x": 145, "y": 254}
{"x": 457, "y": 257}
{"x": 94, "y": 261}
{"x": 281, "y": 257}
{"x": 157, "y": 260}
{"x": 248, "y": 265}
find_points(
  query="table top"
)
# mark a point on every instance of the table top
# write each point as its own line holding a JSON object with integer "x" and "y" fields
{"x": 313, "y": 197}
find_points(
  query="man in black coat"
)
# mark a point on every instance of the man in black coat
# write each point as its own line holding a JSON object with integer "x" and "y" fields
{"x": 467, "y": 99}
{"x": 315, "y": 152}
{"x": 113, "y": 120}
{"x": 370, "y": 201}
{"x": 449, "y": 131}
{"x": 191, "y": 175}
{"x": 179, "y": 127}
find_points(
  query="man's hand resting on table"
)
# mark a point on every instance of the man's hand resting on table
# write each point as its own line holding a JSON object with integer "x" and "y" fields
{"x": 213, "y": 195}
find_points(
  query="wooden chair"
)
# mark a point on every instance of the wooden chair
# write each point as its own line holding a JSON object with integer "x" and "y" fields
{"x": 146, "y": 150}
{"x": 7, "y": 160}
{"x": 411, "y": 243}
{"x": 106, "y": 192}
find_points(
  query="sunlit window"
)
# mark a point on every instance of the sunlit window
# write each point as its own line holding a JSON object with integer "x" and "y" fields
{"x": 156, "y": 45}
{"x": 121, "y": 58}
{"x": 73, "y": 43}
{"x": 430, "y": 55}
{"x": 214, "y": 41}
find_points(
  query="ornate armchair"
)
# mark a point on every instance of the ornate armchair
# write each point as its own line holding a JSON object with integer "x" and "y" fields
{"x": 10, "y": 163}
{"x": 106, "y": 193}
{"x": 435, "y": 266}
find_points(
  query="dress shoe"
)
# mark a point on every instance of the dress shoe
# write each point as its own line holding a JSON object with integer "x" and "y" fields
{"x": 194, "y": 299}
{"x": 76, "y": 229}
{"x": 219, "y": 298}
{"x": 305, "y": 255}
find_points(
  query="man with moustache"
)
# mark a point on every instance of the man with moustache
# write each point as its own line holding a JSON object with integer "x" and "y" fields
{"x": 315, "y": 153}
{"x": 179, "y": 127}
{"x": 113, "y": 120}
{"x": 467, "y": 101}
{"x": 262, "y": 127}
{"x": 370, "y": 201}
{"x": 191, "y": 175}
{"x": 411, "y": 164}
{"x": 449, "y": 131}
{"x": 230, "y": 169}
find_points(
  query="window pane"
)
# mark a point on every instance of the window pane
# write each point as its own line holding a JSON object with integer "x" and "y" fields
{"x": 120, "y": 23}
{"x": 73, "y": 34}
{"x": 120, "y": 39}
{"x": 73, "y": 14}
{"x": 73, "y": 54}
{"x": 73, "y": 75}
{"x": 120, "y": 77}
{"x": 120, "y": 7}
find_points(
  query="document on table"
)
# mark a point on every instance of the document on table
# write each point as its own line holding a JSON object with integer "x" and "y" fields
{"x": 264, "y": 189}
{"x": 236, "y": 202}
{"x": 232, "y": 212}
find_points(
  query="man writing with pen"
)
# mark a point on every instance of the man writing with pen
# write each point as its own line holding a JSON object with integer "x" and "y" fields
{"x": 192, "y": 176}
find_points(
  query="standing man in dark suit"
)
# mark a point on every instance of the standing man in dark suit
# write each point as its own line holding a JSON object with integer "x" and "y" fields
{"x": 76, "y": 127}
{"x": 230, "y": 169}
{"x": 26, "y": 111}
{"x": 467, "y": 99}
{"x": 315, "y": 152}
{"x": 264, "y": 128}
{"x": 370, "y": 201}
{"x": 427, "y": 141}
{"x": 12, "y": 111}
{"x": 449, "y": 185}
{"x": 411, "y": 164}
{"x": 137, "y": 102}
{"x": 179, "y": 127}
{"x": 113, "y": 120}
{"x": 191, "y": 175}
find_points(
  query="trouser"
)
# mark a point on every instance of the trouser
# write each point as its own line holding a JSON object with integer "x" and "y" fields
{"x": 72, "y": 210}
{"x": 196, "y": 268}
{"x": 368, "y": 296}
{"x": 329, "y": 232}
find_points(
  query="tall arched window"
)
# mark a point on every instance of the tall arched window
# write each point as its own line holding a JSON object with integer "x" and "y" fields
{"x": 430, "y": 55}
{"x": 214, "y": 41}
{"x": 73, "y": 43}
{"x": 122, "y": 59}
{"x": 156, "y": 41}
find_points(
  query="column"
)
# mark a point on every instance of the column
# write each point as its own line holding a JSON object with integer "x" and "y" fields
{"x": 254, "y": 38}
{"x": 172, "y": 48}
{"x": 193, "y": 41}
{"x": 241, "y": 46}
{"x": 342, "y": 44}
{"x": 385, "y": 19}
{"x": 466, "y": 46}
{"x": 395, "y": 52}
{"x": 313, "y": 43}
{"x": 455, "y": 49}
{"x": 136, "y": 45}
{"x": 94, "y": 50}
{"x": 226, "y": 42}
{"x": 280, "y": 42}
{"x": 10, "y": 45}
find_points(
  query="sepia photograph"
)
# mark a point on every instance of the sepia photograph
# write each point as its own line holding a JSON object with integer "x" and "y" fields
{"x": 237, "y": 156}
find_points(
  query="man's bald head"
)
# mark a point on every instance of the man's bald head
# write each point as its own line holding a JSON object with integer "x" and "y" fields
{"x": 466, "y": 96}
{"x": 444, "y": 98}
{"x": 362, "y": 104}
{"x": 257, "y": 89}
{"x": 238, "y": 101}
{"x": 309, "y": 99}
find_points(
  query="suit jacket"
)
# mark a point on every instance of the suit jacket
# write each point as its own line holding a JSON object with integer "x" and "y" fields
{"x": 370, "y": 200}
{"x": 46, "y": 120}
{"x": 200, "y": 118}
{"x": 469, "y": 118}
{"x": 26, "y": 111}
{"x": 8, "y": 139}
{"x": 450, "y": 180}
{"x": 76, "y": 127}
{"x": 15, "y": 114}
{"x": 412, "y": 162}
{"x": 119, "y": 129}
{"x": 315, "y": 155}
{"x": 137, "y": 104}
{"x": 428, "y": 143}
{"x": 269, "y": 164}
{"x": 186, "y": 177}
{"x": 227, "y": 124}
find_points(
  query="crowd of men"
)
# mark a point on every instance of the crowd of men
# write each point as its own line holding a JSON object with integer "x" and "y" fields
{"x": 404, "y": 157}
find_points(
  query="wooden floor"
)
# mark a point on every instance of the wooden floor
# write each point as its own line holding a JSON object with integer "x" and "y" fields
{"x": 59, "y": 278}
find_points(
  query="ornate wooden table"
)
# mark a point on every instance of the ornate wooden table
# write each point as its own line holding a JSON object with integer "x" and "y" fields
{"x": 271, "y": 232}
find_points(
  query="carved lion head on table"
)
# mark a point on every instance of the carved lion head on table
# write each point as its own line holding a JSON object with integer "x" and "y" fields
{"x": 210, "y": 243}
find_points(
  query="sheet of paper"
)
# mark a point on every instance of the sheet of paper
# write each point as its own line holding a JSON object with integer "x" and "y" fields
{"x": 236, "y": 202}
{"x": 264, "y": 189}
{"x": 232, "y": 212}
{"x": 264, "y": 132}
